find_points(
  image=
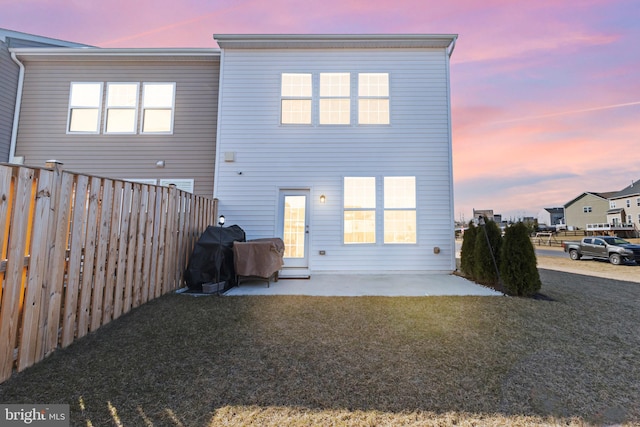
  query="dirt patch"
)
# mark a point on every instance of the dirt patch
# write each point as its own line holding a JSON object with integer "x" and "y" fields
{"x": 591, "y": 267}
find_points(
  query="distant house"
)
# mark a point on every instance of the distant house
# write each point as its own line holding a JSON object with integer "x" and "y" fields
{"x": 342, "y": 145}
{"x": 587, "y": 208}
{"x": 624, "y": 206}
{"x": 556, "y": 215}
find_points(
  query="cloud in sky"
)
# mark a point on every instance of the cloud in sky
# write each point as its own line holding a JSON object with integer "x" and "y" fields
{"x": 544, "y": 93}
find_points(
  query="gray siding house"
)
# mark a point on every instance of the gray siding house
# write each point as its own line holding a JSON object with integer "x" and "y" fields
{"x": 146, "y": 115}
{"x": 10, "y": 80}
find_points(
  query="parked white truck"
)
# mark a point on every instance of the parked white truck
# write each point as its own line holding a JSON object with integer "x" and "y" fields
{"x": 615, "y": 249}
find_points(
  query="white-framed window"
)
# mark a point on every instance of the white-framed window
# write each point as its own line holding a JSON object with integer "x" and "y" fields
{"x": 638, "y": 201}
{"x": 158, "y": 101}
{"x": 296, "y": 96}
{"x": 121, "y": 107}
{"x": 399, "y": 209}
{"x": 628, "y": 203}
{"x": 335, "y": 99}
{"x": 629, "y": 219}
{"x": 373, "y": 98}
{"x": 612, "y": 204}
{"x": 184, "y": 184}
{"x": 359, "y": 210}
{"x": 85, "y": 102}
{"x": 587, "y": 209}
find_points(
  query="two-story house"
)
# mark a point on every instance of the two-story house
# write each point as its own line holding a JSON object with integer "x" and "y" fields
{"x": 339, "y": 144}
{"x": 342, "y": 145}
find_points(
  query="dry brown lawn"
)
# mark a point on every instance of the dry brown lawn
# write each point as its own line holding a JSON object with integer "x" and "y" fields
{"x": 307, "y": 361}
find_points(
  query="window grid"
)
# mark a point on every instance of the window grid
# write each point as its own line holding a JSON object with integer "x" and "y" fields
{"x": 373, "y": 98}
{"x": 586, "y": 209}
{"x": 121, "y": 108}
{"x": 85, "y": 102}
{"x": 157, "y": 107}
{"x": 399, "y": 209}
{"x": 335, "y": 99}
{"x": 359, "y": 210}
{"x": 296, "y": 98}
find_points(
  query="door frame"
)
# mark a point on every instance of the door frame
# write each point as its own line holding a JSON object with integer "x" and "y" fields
{"x": 300, "y": 268}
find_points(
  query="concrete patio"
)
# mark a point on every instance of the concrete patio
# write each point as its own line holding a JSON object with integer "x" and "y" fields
{"x": 365, "y": 285}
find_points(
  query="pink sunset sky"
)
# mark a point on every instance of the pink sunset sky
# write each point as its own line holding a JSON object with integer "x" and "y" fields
{"x": 545, "y": 94}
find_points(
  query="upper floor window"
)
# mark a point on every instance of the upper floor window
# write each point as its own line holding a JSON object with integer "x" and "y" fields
{"x": 586, "y": 209}
{"x": 85, "y": 101}
{"x": 373, "y": 98}
{"x": 121, "y": 108}
{"x": 638, "y": 201}
{"x": 296, "y": 93}
{"x": 628, "y": 203}
{"x": 399, "y": 209}
{"x": 157, "y": 107}
{"x": 612, "y": 204}
{"x": 335, "y": 98}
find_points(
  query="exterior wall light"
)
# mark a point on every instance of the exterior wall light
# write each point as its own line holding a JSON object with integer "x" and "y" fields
{"x": 323, "y": 199}
{"x": 221, "y": 220}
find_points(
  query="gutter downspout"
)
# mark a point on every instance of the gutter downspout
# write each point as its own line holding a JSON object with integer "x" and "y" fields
{"x": 16, "y": 113}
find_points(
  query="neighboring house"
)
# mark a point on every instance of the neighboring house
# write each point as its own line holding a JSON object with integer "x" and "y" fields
{"x": 556, "y": 216}
{"x": 342, "y": 146}
{"x": 587, "y": 208}
{"x": 146, "y": 115}
{"x": 10, "y": 80}
{"x": 624, "y": 206}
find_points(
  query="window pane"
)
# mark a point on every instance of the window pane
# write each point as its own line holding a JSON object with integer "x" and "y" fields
{"x": 84, "y": 120}
{"x": 296, "y": 111}
{"x": 335, "y": 111}
{"x": 399, "y": 192}
{"x": 158, "y": 95}
{"x": 122, "y": 95}
{"x": 121, "y": 120}
{"x": 294, "y": 226}
{"x": 400, "y": 226}
{"x": 85, "y": 94}
{"x": 335, "y": 84}
{"x": 373, "y": 84}
{"x": 359, "y": 227}
{"x": 157, "y": 121}
{"x": 298, "y": 85}
{"x": 373, "y": 111}
{"x": 359, "y": 192}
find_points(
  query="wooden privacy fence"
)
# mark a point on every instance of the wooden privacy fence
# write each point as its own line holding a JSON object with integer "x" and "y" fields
{"x": 78, "y": 251}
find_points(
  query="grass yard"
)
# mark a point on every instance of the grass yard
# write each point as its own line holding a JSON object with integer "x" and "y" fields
{"x": 185, "y": 361}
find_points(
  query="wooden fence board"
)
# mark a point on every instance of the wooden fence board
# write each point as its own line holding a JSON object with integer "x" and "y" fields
{"x": 131, "y": 249}
{"x": 15, "y": 274}
{"x": 6, "y": 196}
{"x": 114, "y": 254}
{"x": 148, "y": 245}
{"x": 88, "y": 266}
{"x": 125, "y": 216}
{"x": 102, "y": 251}
{"x": 140, "y": 246}
{"x": 34, "y": 294}
{"x": 78, "y": 230}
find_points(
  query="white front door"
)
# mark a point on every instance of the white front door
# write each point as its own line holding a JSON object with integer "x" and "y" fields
{"x": 293, "y": 225}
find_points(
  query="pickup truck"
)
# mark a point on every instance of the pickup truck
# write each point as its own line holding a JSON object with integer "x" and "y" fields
{"x": 615, "y": 249}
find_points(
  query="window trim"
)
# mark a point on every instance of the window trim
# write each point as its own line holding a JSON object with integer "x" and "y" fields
{"x": 309, "y": 98}
{"x": 71, "y": 107}
{"x": 134, "y": 108}
{"x": 172, "y": 109}
{"x": 587, "y": 209}
{"x": 360, "y": 97}
{"x": 373, "y": 209}
{"x": 321, "y": 97}
{"x": 413, "y": 209}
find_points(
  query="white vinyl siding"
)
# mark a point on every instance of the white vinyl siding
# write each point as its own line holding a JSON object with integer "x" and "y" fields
{"x": 269, "y": 156}
{"x": 85, "y": 104}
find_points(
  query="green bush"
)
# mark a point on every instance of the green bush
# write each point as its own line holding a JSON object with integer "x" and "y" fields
{"x": 518, "y": 267}
{"x": 484, "y": 267}
{"x": 466, "y": 253}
